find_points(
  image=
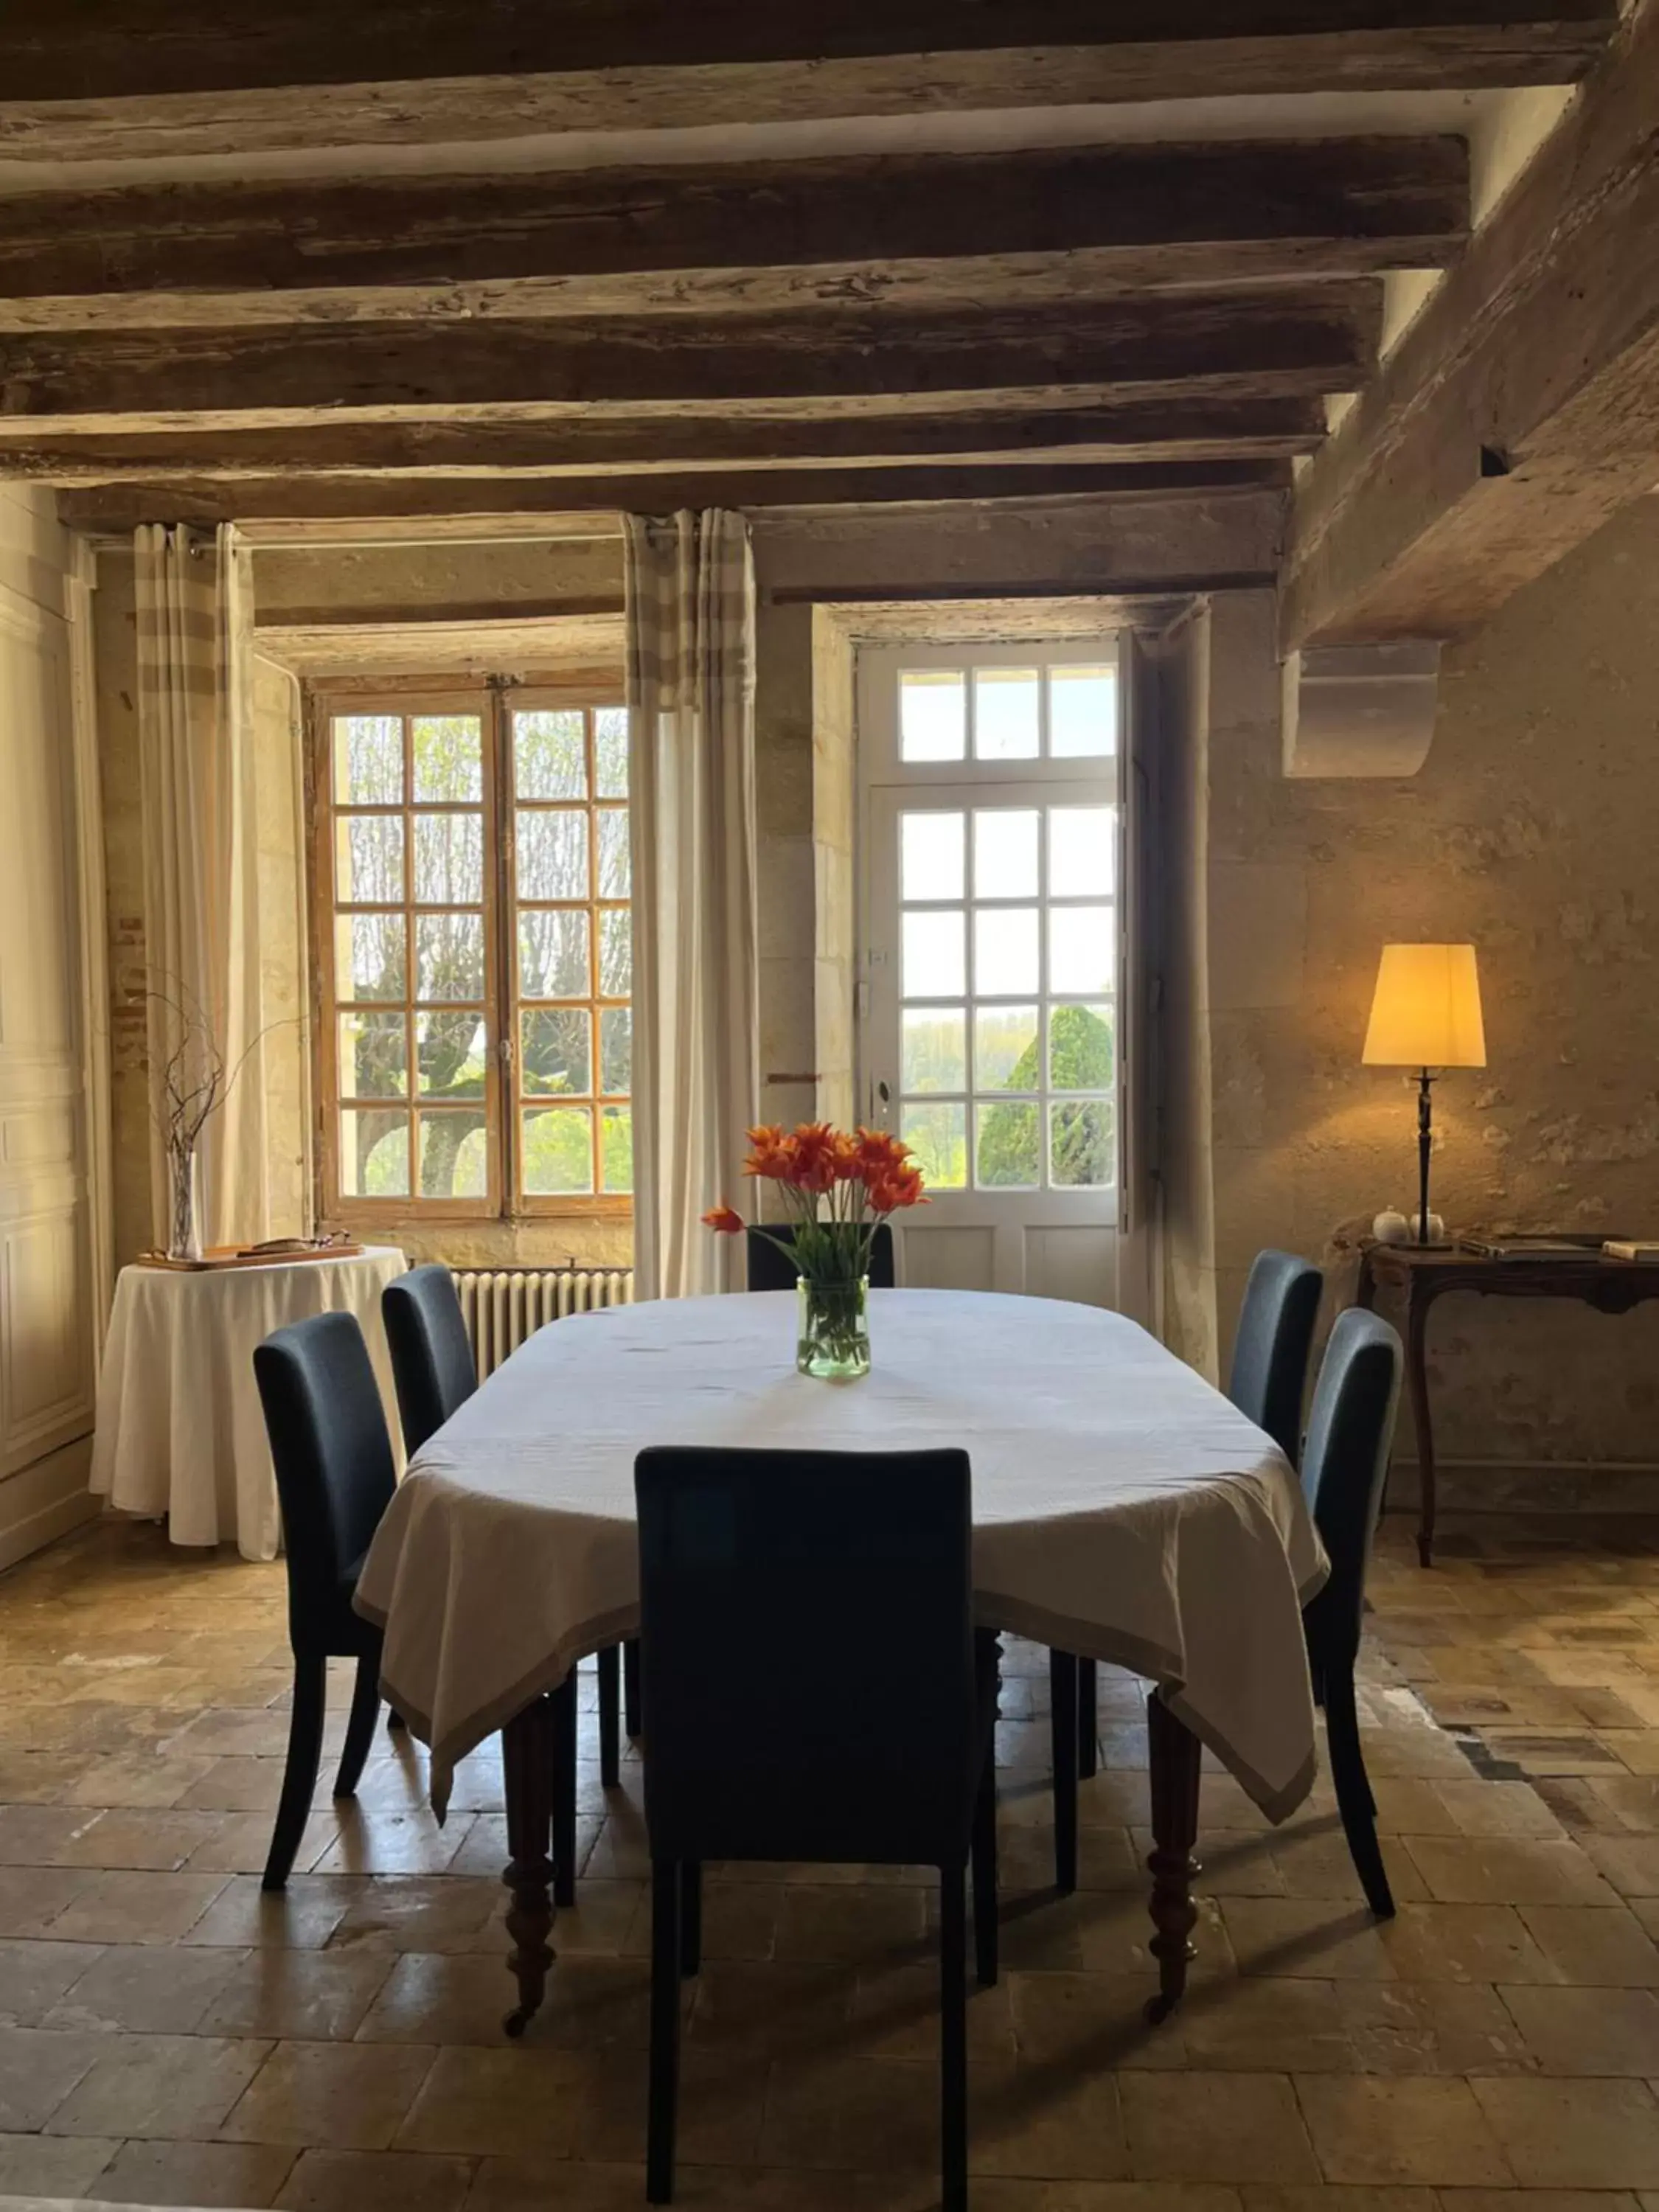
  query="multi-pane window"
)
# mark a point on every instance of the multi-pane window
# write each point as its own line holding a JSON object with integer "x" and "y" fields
{"x": 472, "y": 880}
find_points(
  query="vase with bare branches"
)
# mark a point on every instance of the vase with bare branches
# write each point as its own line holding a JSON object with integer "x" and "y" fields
{"x": 192, "y": 1085}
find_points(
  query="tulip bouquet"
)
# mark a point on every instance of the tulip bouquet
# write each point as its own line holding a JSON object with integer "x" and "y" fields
{"x": 837, "y": 1190}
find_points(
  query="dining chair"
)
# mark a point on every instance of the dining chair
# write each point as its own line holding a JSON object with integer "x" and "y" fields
{"x": 434, "y": 1371}
{"x": 1269, "y": 1373}
{"x": 771, "y": 1269}
{"x": 1350, "y": 1434}
{"x": 850, "y": 1571}
{"x": 334, "y": 1479}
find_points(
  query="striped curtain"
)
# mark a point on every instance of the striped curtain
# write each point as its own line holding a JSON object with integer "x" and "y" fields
{"x": 691, "y": 647}
{"x": 201, "y": 953}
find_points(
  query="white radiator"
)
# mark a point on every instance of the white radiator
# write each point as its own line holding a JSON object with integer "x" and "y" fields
{"x": 504, "y": 1305}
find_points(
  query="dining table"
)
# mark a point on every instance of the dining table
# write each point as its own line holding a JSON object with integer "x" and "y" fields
{"x": 1123, "y": 1511}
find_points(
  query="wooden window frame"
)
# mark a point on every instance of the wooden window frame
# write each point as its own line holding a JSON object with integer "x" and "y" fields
{"x": 503, "y": 1100}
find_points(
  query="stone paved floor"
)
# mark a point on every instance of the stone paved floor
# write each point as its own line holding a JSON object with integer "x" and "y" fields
{"x": 169, "y": 2037}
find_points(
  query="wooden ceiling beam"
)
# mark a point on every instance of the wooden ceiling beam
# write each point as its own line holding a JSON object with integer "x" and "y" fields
{"x": 1520, "y": 410}
{"x": 1136, "y": 216}
{"x": 206, "y": 501}
{"x": 1272, "y": 341}
{"x": 1197, "y": 429}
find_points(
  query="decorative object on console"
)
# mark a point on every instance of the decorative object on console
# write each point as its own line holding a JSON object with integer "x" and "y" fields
{"x": 1426, "y": 1014}
{"x": 1391, "y": 1227}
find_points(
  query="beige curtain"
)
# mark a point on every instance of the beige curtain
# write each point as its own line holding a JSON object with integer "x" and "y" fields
{"x": 691, "y": 596}
{"x": 202, "y": 953}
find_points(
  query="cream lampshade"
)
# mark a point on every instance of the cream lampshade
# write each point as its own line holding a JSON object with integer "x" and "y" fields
{"x": 1426, "y": 1014}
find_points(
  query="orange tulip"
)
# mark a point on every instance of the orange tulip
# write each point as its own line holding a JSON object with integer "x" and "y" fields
{"x": 724, "y": 1221}
{"x": 814, "y": 1147}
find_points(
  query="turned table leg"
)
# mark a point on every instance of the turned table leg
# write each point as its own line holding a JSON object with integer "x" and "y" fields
{"x": 1174, "y": 1755}
{"x": 527, "y": 1763}
{"x": 1417, "y": 1382}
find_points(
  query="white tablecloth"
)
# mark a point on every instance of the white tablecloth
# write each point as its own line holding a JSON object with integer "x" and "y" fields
{"x": 1122, "y": 1509}
{"x": 181, "y": 1431}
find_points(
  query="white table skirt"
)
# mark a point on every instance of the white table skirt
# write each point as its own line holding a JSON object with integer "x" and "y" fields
{"x": 1122, "y": 1509}
{"x": 181, "y": 1431}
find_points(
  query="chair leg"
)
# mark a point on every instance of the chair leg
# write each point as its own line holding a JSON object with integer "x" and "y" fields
{"x": 631, "y": 1722}
{"x": 1062, "y": 1693}
{"x": 1088, "y": 1719}
{"x": 665, "y": 2031}
{"x": 360, "y": 1729}
{"x": 609, "y": 1716}
{"x": 985, "y": 1877}
{"x": 1354, "y": 1800}
{"x": 395, "y": 1721}
{"x": 691, "y": 1917}
{"x": 953, "y": 2040}
{"x": 304, "y": 1756}
{"x": 564, "y": 1792}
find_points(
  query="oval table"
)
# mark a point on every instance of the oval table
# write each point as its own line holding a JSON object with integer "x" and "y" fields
{"x": 1123, "y": 1511}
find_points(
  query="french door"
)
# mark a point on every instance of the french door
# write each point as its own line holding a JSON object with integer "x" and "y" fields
{"x": 992, "y": 846}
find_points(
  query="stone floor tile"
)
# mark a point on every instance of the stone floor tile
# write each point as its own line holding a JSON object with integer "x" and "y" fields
{"x": 413, "y": 2181}
{"x": 1243, "y": 2128}
{"x": 1538, "y": 2200}
{"x": 303, "y": 1917}
{"x": 1593, "y": 1947}
{"x": 147, "y": 1989}
{"x": 1576, "y": 2134}
{"x": 1629, "y": 1862}
{"x": 34, "y": 1975}
{"x": 1376, "y": 2128}
{"x": 297, "y": 1995}
{"x": 205, "y": 2173}
{"x": 1330, "y": 2196}
{"x": 1507, "y": 1870}
{"x": 1462, "y": 1943}
{"x": 52, "y": 2166}
{"x": 37, "y": 2070}
{"x": 1429, "y": 2028}
{"x": 239, "y": 1843}
{"x": 1587, "y": 2031}
{"x": 423, "y": 1912}
{"x": 134, "y": 1778}
{"x": 1494, "y": 1808}
{"x": 149, "y": 1839}
{"x": 126, "y": 1907}
{"x": 892, "y": 2012}
{"x": 520, "y": 2103}
{"x": 862, "y": 1924}
{"x": 33, "y": 1897}
{"x": 1318, "y": 1941}
{"x": 158, "y": 2085}
{"x": 333, "y": 2096}
{"x": 395, "y": 1843}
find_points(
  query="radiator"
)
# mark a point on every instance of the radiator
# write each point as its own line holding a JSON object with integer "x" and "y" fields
{"x": 503, "y": 1306}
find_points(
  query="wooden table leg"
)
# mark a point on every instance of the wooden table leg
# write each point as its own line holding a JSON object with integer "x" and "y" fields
{"x": 1417, "y": 1380}
{"x": 1062, "y": 1701}
{"x": 527, "y": 1763}
{"x": 564, "y": 1728}
{"x": 1173, "y": 1758}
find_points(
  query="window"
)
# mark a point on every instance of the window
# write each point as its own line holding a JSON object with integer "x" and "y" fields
{"x": 471, "y": 881}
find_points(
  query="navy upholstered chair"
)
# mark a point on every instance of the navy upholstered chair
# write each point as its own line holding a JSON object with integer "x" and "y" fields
{"x": 772, "y": 1270}
{"x": 1269, "y": 1374}
{"x": 850, "y": 1571}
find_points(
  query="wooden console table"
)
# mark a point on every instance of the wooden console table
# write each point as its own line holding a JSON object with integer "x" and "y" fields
{"x": 1609, "y": 1285}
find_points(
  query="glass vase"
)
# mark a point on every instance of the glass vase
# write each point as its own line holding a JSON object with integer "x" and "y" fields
{"x": 833, "y": 1334}
{"x": 185, "y": 1235}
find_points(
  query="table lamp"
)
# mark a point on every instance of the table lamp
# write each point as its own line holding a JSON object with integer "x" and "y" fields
{"x": 1426, "y": 1014}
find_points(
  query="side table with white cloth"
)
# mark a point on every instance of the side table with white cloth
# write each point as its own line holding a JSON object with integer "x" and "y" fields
{"x": 1123, "y": 1510}
{"x": 180, "y": 1433}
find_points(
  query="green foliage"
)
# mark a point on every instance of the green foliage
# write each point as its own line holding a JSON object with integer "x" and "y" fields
{"x": 1081, "y": 1056}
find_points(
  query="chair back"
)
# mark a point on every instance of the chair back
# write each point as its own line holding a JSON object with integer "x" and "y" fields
{"x": 783, "y": 1595}
{"x": 333, "y": 1459}
{"x": 432, "y": 1361}
{"x": 1270, "y": 1352}
{"x": 772, "y": 1270}
{"x": 1349, "y": 1435}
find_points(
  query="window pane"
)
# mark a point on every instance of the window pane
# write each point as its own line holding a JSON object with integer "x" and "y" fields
{"x": 617, "y": 1147}
{"x": 1005, "y": 852}
{"x": 1082, "y": 1048}
{"x": 1009, "y": 1151}
{"x": 370, "y": 956}
{"x": 1005, "y": 951}
{"x": 933, "y": 714}
{"x": 1082, "y": 712}
{"x": 449, "y": 957}
{"x": 935, "y": 1055}
{"x": 1080, "y": 948}
{"x": 449, "y": 859}
{"x": 930, "y": 856}
{"x": 374, "y": 1154}
{"x": 368, "y": 760}
{"x": 559, "y": 1150}
{"x": 614, "y": 871}
{"x": 373, "y": 1056}
{"x": 454, "y": 1155}
{"x": 1081, "y": 1154}
{"x": 616, "y": 955}
{"x": 368, "y": 860}
{"x": 553, "y": 956}
{"x": 1082, "y": 851}
{"x": 610, "y": 751}
{"x": 1006, "y": 1048}
{"x": 555, "y": 1052}
{"x": 616, "y": 1050}
{"x": 938, "y": 1136}
{"x": 552, "y": 855}
{"x": 1005, "y": 725}
{"x": 448, "y": 758}
{"x": 452, "y": 1053}
{"x": 934, "y": 955}
{"x": 550, "y": 753}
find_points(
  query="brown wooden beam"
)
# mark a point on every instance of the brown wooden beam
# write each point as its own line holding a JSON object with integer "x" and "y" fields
{"x": 1520, "y": 410}
{"x": 1140, "y": 216}
{"x": 205, "y": 501}
{"x": 1197, "y": 429}
{"x": 1297, "y": 339}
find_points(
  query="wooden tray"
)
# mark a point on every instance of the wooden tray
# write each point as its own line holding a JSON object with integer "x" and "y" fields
{"x": 220, "y": 1257}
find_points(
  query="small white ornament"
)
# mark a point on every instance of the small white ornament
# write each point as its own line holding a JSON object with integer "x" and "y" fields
{"x": 1390, "y": 1227}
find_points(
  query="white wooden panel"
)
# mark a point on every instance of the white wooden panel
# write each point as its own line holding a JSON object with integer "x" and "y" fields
{"x": 1077, "y": 1261}
{"x": 43, "y": 1355}
{"x": 948, "y": 1258}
